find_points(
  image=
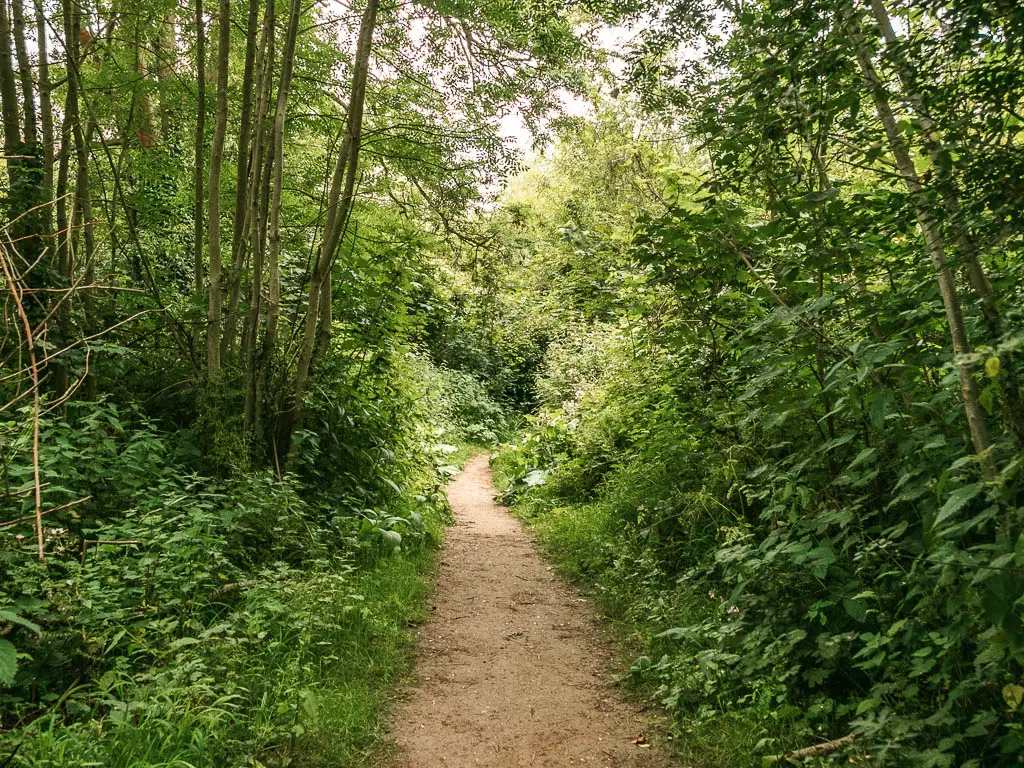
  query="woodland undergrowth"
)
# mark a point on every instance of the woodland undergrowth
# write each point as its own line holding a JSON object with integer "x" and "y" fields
{"x": 245, "y": 619}
{"x": 268, "y": 268}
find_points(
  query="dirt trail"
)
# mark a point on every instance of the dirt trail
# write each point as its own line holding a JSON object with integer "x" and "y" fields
{"x": 511, "y": 671}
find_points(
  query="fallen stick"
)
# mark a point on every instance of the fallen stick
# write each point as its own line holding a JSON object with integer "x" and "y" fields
{"x": 819, "y": 750}
{"x": 46, "y": 512}
{"x": 18, "y": 494}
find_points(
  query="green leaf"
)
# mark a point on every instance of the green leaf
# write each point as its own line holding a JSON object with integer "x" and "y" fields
{"x": 880, "y": 409}
{"x": 14, "y": 618}
{"x": 310, "y": 704}
{"x": 865, "y": 455}
{"x": 957, "y": 499}
{"x": 8, "y": 662}
{"x": 1013, "y": 695}
{"x": 536, "y": 477}
{"x": 856, "y": 609}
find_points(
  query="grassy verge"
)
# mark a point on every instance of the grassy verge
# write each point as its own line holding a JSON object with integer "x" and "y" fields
{"x": 355, "y": 686}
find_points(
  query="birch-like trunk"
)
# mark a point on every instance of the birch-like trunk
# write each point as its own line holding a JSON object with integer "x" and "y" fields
{"x": 28, "y": 92}
{"x": 931, "y": 234}
{"x": 966, "y": 247}
{"x": 45, "y": 104}
{"x": 200, "y": 151}
{"x": 245, "y": 171}
{"x": 260, "y": 371}
{"x": 220, "y": 125}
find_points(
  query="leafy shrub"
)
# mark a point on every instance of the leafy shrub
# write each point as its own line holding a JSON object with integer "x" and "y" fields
{"x": 457, "y": 405}
{"x": 189, "y": 620}
{"x": 867, "y": 582}
{"x": 576, "y": 364}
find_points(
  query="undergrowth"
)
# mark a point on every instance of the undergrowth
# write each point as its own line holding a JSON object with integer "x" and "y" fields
{"x": 297, "y": 673}
{"x": 771, "y": 611}
{"x": 247, "y": 619}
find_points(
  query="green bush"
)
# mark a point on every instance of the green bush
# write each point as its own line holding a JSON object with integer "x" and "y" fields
{"x": 782, "y": 585}
{"x": 457, "y": 405}
{"x": 183, "y": 620}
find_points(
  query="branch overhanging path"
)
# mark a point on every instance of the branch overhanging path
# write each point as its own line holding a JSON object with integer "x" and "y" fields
{"x": 512, "y": 670}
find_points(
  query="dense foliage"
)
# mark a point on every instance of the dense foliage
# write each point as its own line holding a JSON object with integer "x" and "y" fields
{"x": 240, "y": 353}
{"x": 269, "y": 268}
{"x": 757, "y": 439}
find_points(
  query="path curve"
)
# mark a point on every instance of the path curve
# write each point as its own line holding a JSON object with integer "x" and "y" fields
{"x": 511, "y": 671}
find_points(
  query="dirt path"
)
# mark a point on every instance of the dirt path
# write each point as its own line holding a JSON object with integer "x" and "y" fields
{"x": 511, "y": 671}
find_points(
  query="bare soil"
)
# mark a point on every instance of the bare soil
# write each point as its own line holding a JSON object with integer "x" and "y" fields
{"x": 512, "y": 667}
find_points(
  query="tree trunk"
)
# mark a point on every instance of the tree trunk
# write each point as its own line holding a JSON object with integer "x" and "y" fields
{"x": 339, "y": 206}
{"x": 966, "y": 247}
{"x": 200, "y": 142}
{"x": 263, "y": 168}
{"x": 28, "y": 93}
{"x": 24, "y": 161}
{"x": 64, "y": 241}
{"x": 250, "y": 162}
{"x": 9, "y": 97}
{"x": 261, "y": 370}
{"x": 45, "y": 105}
{"x": 83, "y": 198}
{"x": 323, "y": 333}
{"x": 213, "y": 202}
{"x": 243, "y": 172}
{"x": 932, "y": 237}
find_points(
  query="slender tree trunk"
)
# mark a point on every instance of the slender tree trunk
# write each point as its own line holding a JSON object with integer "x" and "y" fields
{"x": 261, "y": 370}
{"x": 966, "y": 247}
{"x": 932, "y": 237}
{"x": 200, "y": 142}
{"x": 261, "y": 160}
{"x": 323, "y": 333}
{"x": 243, "y": 172}
{"x": 220, "y": 125}
{"x": 24, "y": 161}
{"x": 9, "y": 97}
{"x": 28, "y": 93}
{"x": 83, "y": 201}
{"x": 250, "y": 162}
{"x": 64, "y": 240}
{"x": 83, "y": 204}
{"x": 262, "y": 164}
{"x": 45, "y": 105}
{"x": 339, "y": 205}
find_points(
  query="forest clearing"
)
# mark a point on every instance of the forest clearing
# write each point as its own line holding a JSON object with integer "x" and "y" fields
{"x": 728, "y": 295}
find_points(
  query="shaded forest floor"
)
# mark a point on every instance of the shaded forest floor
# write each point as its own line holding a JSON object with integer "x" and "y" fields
{"x": 511, "y": 669}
